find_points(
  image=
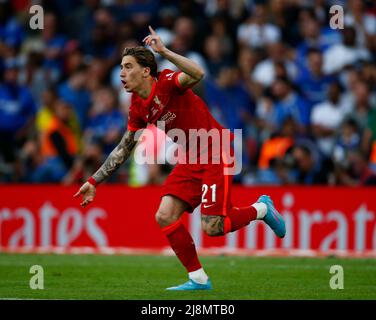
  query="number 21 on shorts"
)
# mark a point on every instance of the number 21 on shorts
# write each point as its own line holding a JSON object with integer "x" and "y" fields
{"x": 205, "y": 189}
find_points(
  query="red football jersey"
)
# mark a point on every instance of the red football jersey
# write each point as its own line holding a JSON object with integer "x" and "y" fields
{"x": 177, "y": 106}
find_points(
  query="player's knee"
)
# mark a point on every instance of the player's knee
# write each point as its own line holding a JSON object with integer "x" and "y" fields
{"x": 212, "y": 225}
{"x": 164, "y": 218}
{"x": 213, "y": 232}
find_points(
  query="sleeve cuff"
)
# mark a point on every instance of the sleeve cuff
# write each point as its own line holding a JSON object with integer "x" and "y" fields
{"x": 130, "y": 128}
{"x": 177, "y": 83}
{"x": 92, "y": 181}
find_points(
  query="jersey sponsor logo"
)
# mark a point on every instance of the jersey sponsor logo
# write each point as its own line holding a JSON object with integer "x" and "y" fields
{"x": 168, "y": 117}
{"x": 208, "y": 205}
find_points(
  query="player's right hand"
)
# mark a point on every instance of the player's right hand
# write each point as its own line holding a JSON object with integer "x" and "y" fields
{"x": 88, "y": 193}
{"x": 154, "y": 41}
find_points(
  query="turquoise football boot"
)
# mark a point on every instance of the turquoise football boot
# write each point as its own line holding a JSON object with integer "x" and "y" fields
{"x": 273, "y": 218}
{"x": 191, "y": 285}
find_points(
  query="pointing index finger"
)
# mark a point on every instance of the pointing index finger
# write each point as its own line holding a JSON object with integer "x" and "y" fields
{"x": 152, "y": 30}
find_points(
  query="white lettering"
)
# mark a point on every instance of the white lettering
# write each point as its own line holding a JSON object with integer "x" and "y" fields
{"x": 26, "y": 232}
{"x": 361, "y": 216}
{"x": 46, "y": 212}
{"x": 339, "y": 235}
{"x": 92, "y": 228}
{"x": 336, "y": 20}
{"x": 37, "y": 20}
{"x": 36, "y": 281}
{"x": 64, "y": 235}
{"x": 336, "y": 281}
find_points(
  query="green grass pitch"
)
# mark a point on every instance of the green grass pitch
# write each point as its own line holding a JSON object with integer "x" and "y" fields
{"x": 145, "y": 277}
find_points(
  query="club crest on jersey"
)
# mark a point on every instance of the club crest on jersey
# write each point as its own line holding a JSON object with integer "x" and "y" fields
{"x": 157, "y": 101}
{"x": 160, "y": 106}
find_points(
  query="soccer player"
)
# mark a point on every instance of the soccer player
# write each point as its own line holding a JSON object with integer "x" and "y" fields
{"x": 167, "y": 96}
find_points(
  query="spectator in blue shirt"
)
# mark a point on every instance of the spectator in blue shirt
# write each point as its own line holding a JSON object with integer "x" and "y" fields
{"x": 106, "y": 123}
{"x": 101, "y": 43}
{"x": 75, "y": 93}
{"x": 312, "y": 81}
{"x": 17, "y": 110}
{"x": 54, "y": 45}
{"x": 11, "y": 32}
{"x": 228, "y": 100}
{"x": 231, "y": 105}
{"x": 288, "y": 103}
{"x": 312, "y": 35}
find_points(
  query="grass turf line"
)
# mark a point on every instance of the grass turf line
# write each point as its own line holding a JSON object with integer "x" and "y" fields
{"x": 146, "y": 277}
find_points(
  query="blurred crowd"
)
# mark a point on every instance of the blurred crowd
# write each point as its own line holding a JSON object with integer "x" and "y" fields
{"x": 303, "y": 93}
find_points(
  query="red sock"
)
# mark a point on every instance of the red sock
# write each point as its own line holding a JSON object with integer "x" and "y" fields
{"x": 238, "y": 218}
{"x": 182, "y": 243}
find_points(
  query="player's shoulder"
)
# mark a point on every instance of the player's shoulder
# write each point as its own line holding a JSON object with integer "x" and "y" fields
{"x": 168, "y": 82}
{"x": 166, "y": 74}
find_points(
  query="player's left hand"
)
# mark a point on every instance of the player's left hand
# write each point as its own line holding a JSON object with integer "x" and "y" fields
{"x": 87, "y": 191}
{"x": 154, "y": 41}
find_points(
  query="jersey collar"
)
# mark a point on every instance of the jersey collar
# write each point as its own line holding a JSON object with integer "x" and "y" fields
{"x": 151, "y": 95}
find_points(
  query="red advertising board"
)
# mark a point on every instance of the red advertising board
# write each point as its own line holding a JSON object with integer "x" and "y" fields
{"x": 317, "y": 218}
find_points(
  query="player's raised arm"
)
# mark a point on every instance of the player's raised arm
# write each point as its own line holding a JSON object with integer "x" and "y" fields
{"x": 191, "y": 71}
{"x": 115, "y": 159}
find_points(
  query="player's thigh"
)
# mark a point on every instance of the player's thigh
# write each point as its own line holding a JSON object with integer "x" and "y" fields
{"x": 170, "y": 210}
{"x": 184, "y": 183}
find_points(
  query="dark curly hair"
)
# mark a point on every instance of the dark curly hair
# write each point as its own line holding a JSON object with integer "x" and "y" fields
{"x": 144, "y": 57}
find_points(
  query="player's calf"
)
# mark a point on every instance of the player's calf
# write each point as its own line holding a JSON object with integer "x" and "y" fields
{"x": 213, "y": 226}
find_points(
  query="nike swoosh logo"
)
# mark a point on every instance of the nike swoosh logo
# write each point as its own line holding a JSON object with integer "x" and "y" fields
{"x": 208, "y": 206}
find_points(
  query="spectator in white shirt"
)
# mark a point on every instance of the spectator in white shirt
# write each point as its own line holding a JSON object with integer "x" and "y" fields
{"x": 363, "y": 22}
{"x": 256, "y": 32}
{"x": 326, "y": 118}
{"x": 343, "y": 54}
{"x": 266, "y": 71}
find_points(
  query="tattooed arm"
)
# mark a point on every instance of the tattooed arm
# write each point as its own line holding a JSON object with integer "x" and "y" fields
{"x": 116, "y": 158}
